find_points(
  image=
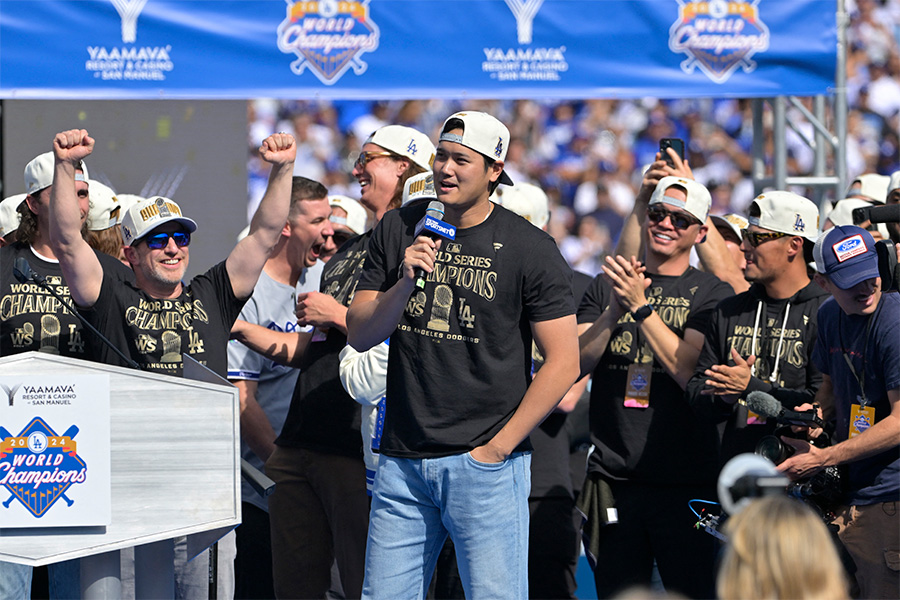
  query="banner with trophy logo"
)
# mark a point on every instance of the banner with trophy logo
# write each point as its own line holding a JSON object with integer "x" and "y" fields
{"x": 384, "y": 49}
{"x": 54, "y": 451}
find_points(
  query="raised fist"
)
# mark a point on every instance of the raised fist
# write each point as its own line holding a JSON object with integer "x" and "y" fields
{"x": 72, "y": 145}
{"x": 278, "y": 149}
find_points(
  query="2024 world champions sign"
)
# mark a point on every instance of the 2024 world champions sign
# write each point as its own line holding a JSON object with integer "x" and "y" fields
{"x": 54, "y": 451}
{"x": 416, "y": 48}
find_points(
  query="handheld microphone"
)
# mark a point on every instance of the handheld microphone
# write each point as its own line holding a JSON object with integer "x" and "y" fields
{"x": 23, "y": 273}
{"x": 432, "y": 226}
{"x": 768, "y": 406}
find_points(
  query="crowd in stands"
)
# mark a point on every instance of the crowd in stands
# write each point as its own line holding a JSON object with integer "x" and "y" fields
{"x": 588, "y": 155}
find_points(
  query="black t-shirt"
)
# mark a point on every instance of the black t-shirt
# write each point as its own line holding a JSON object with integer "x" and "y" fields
{"x": 550, "y": 476}
{"x": 31, "y": 318}
{"x": 323, "y": 416}
{"x": 781, "y": 334}
{"x": 663, "y": 443}
{"x": 460, "y": 358}
{"x": 154, "y": 333}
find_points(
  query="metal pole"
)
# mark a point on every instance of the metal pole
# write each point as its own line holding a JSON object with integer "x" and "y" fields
{"x": 101, "y": 577}
{"x": 840, "y": 101}
{"x": 758, "y": 147}
{"x": 779, "y": 163}
{"x": 819, "y": 162}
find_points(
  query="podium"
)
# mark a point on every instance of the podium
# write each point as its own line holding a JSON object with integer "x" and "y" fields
{"x": 174, "y": 465}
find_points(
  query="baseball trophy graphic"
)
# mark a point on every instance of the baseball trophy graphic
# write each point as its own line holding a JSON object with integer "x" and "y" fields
{"x": 171, "y": 343}
{"x": 50, "y": 334}
{"x": 440, "y": 308}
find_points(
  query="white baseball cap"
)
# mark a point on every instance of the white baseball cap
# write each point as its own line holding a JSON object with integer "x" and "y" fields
{"x": 9, "y": 215}
{"x": 419, "y": 187}
{"x": 786, "y": 212}
{"x": 872, "y": 186}
{"x": 483, "y": 134}
{"x": 526, "y": 200}
{"x": 126, "y": 201}
{"x": 894, "y": 183}
{"x": 405, "y": 141}
{"x": 149, "y": 214}
{"x": 103, "y": 204}
{"x": 734, "y": 222}
{"x": 39, "y": 173}
{"x": 356, "y": 214}
{"x": 842, "y": 214}
{"x": 698, "y": 198}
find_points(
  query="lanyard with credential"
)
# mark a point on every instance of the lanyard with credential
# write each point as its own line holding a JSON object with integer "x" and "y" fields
{"x": 861, "y": 377}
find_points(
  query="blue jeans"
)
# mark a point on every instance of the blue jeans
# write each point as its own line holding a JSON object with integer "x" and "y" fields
{"x": 65, "y": 580}
{"x": 483, "y": 507}
{"x": 15, "y": 581}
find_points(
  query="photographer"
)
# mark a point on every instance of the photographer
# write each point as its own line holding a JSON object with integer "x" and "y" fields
{"x": 858, "y": 353}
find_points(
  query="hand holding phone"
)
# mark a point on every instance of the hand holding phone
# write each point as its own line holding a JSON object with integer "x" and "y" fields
{"x": 677, "y": 144}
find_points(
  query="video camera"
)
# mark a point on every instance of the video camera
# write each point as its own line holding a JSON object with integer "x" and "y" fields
{"x": 888, "y": 268}
{"x": 824, "y": 490}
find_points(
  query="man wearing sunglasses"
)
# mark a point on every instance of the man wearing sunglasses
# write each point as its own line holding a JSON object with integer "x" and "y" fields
{"x": 163, "y": 316}
{"x": 642, "y": 328}
{"x": 348, "y": 220}
{"x": 159, "y": 317}
{"x": 762, "y": 339}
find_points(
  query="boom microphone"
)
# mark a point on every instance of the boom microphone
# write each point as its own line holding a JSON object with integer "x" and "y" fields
{"x": 432, "y": 226}
{"x": 23, "y": 273}
{"x": 768, "y": 406}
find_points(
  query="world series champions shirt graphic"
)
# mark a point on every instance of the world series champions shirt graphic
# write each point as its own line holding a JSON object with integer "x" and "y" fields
{"x": 157, "y": 332}
{"x": 164, "y": 329}
{"x": 32, "y": 319}
{"x": 459, "y": 283}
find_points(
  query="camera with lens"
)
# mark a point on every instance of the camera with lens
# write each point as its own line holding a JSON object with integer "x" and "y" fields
{"x": 824, "y": 490}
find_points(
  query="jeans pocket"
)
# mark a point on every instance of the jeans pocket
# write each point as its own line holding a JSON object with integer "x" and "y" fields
{"x": 486, "y": 466}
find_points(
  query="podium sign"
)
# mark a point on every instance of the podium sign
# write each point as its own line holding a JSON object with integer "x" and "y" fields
{"x": 54, "y": 450}
{"x": 174, "y": 466}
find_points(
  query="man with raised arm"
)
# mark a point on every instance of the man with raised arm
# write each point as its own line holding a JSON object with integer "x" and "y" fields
{"x": 461, "y": 402}
{"x": 162, "y": 315}
{"x": 158, "y": 317}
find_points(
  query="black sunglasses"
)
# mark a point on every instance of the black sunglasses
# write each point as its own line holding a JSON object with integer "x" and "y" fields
{"x": 159, "y": 241}
{"x": 755, "y": 238}
{"x": 679, "y": 220}
{"x": 340, "y": 237}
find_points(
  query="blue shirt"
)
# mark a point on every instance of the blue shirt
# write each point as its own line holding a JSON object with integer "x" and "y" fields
{"x": 876, "y": 357}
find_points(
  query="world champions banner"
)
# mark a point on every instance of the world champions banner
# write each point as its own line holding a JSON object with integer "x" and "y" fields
{"x": 385, "y": 49}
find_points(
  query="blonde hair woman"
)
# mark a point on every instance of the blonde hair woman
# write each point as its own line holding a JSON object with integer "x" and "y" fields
{"x": 779, "y": 548}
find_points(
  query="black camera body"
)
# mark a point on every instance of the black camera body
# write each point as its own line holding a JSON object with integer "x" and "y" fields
{"x": 823, "y": 491}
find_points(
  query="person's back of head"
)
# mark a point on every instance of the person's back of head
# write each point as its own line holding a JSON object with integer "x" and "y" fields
{"x": 779, "y": 548}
